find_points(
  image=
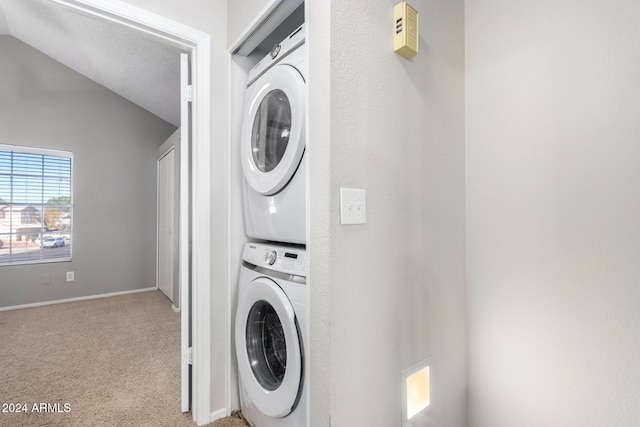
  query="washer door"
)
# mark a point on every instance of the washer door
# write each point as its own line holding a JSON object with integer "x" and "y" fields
{"x": 268, "y": 348}
{"x": 273, "y": 139}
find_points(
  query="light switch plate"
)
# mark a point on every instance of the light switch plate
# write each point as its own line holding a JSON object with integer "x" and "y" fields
{"x": 353, "y": 206}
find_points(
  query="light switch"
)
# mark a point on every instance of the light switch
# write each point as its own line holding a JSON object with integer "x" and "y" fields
{"x": 353, "y": 206}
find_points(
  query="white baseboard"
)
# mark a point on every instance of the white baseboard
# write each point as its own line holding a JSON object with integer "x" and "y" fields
{"x": 220, "y": 413}
{"x": 60, "y": 301}
{"x": 174, "y": 308}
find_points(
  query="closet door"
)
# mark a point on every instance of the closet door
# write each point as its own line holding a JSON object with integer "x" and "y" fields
{"x": 166, "y": 209}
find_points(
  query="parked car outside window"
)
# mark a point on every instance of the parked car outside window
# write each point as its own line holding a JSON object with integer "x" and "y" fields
{"x": 53, "y": 242}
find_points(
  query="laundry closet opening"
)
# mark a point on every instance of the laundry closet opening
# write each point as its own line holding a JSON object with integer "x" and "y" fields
{"x": 268, "y": 214}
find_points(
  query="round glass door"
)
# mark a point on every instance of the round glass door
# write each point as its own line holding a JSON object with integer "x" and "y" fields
{"x": 271, "y": 130}
{"x": 266, "y": 345}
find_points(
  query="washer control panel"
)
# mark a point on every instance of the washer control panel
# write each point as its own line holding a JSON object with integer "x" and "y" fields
{"x": 285, "y": 259}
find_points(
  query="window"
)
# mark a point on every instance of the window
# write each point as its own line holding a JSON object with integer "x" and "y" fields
{"x": 35, "y": 205}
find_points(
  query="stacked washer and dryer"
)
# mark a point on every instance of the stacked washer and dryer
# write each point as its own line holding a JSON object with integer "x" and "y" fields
{"x": 272, "y": 312}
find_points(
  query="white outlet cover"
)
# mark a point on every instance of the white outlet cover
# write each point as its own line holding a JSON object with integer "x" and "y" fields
{"x": 353, "y": 206}
{"x": 70, "y": 276}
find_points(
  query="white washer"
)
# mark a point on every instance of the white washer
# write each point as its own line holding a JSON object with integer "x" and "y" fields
{"x": 270, "y": 335}
{"x": 272, "y": 144}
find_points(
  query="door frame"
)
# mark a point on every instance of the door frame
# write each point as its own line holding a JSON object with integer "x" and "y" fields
{"x": 198, "y": 44}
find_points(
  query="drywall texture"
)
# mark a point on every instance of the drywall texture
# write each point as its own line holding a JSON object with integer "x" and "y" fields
{"x": 44, "y": 104}
{"x": 124, "y": 60}
{"x": 553, "y": 195}
{"x": 319, "y": 215}
{"x": 396, "y": 285}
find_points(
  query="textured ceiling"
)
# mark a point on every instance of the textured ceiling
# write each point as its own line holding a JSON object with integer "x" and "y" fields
{"x": 3, "y": 24}
{"x": 132, "y": 64}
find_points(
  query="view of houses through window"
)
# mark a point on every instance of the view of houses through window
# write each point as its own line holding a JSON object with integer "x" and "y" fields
{"x": 35, "y": 205}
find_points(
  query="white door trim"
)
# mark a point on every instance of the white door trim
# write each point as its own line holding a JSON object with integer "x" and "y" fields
{"x": 199, "y": 45}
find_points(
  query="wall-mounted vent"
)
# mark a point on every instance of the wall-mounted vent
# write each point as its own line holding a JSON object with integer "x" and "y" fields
{"x": 399, "y": 25}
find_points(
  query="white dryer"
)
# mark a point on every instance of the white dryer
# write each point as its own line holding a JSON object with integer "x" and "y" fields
{"x": 270, "y": 335}
{"x": 272, "y": 144}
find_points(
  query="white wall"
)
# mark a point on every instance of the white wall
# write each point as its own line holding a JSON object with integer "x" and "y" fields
{"x": 47, "y": 105}
{"x": 318, "y": 364}
{"x": 553, "y": 195}
{"x": 389, "y": 293}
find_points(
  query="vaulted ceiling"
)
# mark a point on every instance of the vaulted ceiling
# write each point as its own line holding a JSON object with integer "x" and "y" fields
{"x": 130, "y": 63}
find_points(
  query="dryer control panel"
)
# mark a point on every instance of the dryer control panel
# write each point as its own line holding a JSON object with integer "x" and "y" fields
{"x": 278, "y": 52}
{"x": 284, "y": 259}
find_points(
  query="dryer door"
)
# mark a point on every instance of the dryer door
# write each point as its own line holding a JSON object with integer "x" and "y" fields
{"x": 273, "y": 132}
{"x": 268, "y": 348}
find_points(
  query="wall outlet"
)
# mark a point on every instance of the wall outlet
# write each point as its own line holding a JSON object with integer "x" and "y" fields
{"x": 46, "y": 279}
{"x": 70, "y": 276}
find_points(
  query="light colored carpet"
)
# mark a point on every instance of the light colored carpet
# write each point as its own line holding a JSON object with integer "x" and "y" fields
{"x": 232, "y": 421}
{"x": 114, "y": 361}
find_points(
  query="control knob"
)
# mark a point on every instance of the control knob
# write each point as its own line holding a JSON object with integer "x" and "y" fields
{"x": 270, "y": 257}
{"x": 275, "y": 51}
